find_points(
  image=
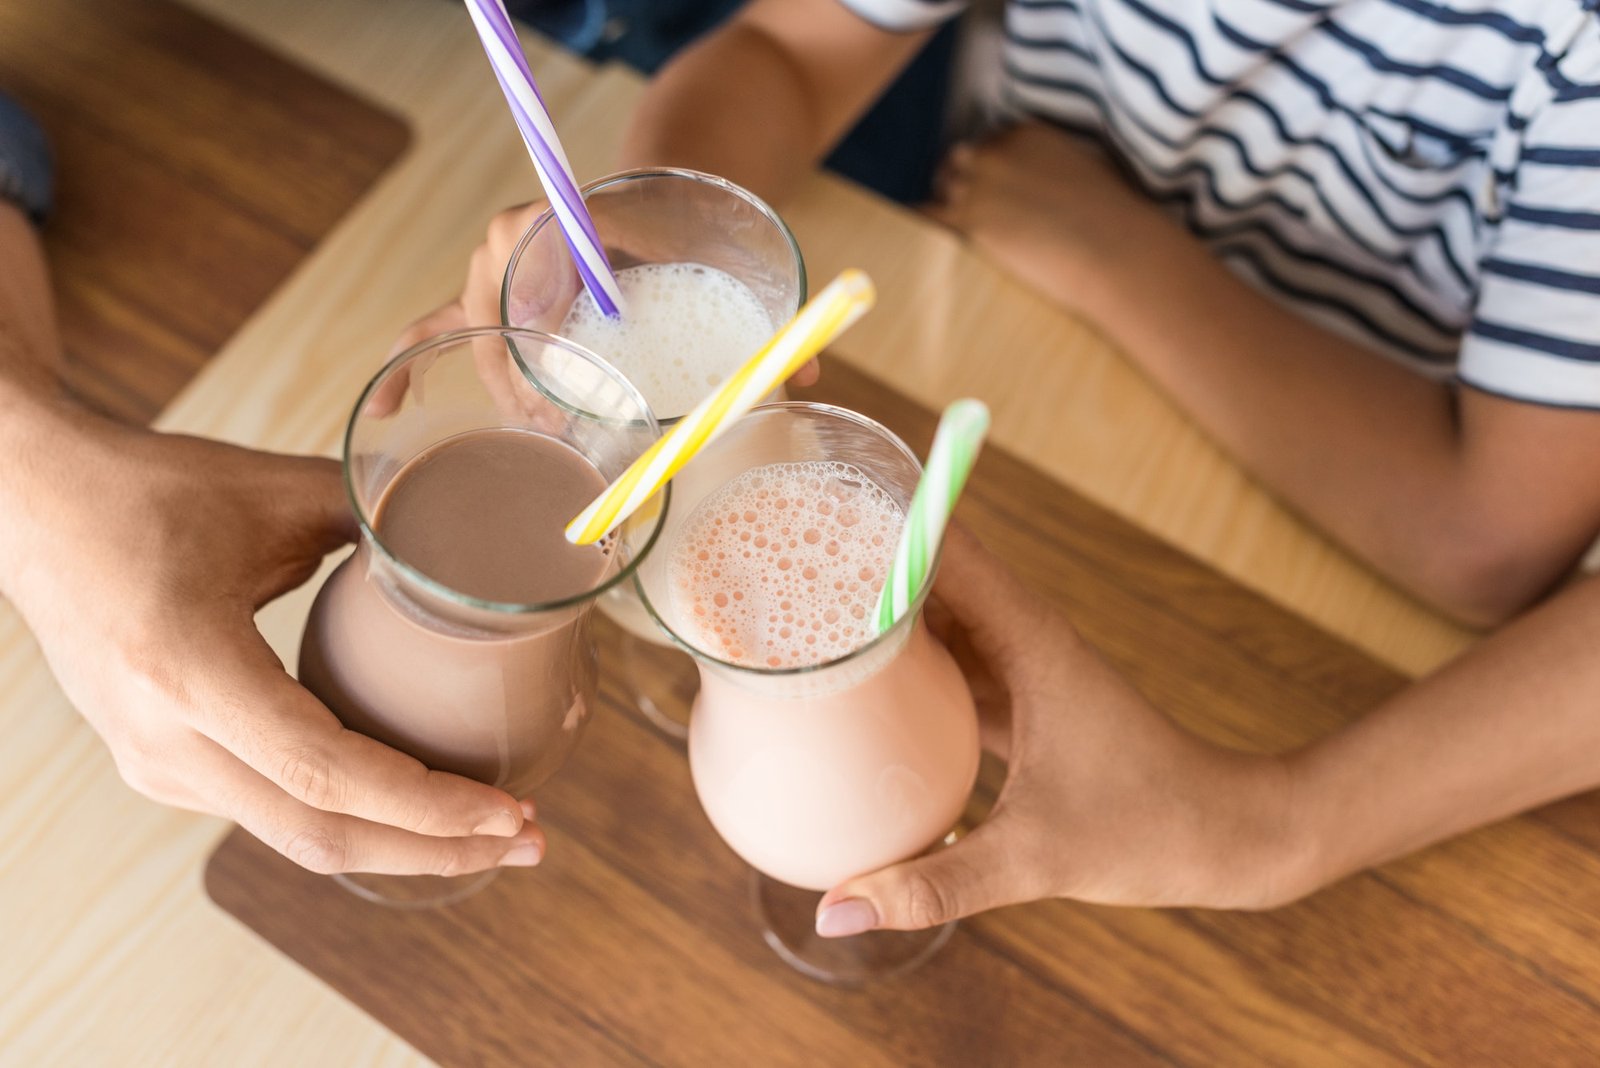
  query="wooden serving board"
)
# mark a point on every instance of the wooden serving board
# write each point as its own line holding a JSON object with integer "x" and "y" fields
{"x": 195, "y": 169}
{"x": 633, "y": 944}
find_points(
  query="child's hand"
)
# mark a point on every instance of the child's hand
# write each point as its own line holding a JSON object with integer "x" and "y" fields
{"x": 1046, "y": 206}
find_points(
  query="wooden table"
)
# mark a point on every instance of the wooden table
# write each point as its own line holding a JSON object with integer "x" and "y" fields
{"x": 120, "y": 958}
{"x": 194, "y": 171}
{"x": 634, "y": 944}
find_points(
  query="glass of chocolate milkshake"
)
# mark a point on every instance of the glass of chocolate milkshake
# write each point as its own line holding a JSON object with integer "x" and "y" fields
{"x": 458, "y": 631}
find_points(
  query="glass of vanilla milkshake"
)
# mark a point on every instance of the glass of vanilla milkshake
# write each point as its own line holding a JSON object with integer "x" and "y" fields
{"x": 708, "y": 272}
{"x": 819, "y": 749}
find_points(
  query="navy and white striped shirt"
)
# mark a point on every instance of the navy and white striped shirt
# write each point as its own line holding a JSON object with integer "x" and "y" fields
{"x": 1423, "y": 175}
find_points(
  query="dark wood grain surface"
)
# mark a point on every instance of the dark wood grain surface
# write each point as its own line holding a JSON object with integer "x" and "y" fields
{"x": 194, "y": 170}
{"x": 633, "y": 944}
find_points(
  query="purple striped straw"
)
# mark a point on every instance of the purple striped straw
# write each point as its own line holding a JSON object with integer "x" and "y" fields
{"x": 500, "y": 43}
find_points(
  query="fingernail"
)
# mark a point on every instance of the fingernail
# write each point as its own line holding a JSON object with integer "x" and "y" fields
{"x": 528, "y": 811}
{"x": 525, "y": 855}
{"x": 852, "y": 916}
{"x": 502, "y": 824}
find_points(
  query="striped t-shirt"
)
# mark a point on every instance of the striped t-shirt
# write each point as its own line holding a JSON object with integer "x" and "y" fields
{"x": 1423, "y": 175}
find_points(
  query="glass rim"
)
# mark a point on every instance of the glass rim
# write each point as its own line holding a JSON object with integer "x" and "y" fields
{"x": 913, "y": 611}
{"x": 449, "y": 593}
{"x": 636, "y": 174}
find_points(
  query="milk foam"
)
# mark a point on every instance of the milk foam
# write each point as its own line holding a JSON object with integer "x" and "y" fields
{"x": 685, "y": 327}
{"x": 782, "y": 566}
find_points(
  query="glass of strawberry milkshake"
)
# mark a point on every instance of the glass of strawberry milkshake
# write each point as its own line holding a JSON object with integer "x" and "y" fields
{"x": 819, "y": 749}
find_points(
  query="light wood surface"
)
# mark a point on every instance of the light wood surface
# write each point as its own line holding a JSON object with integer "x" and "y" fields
{"x": 117, "y": 955}
{"x": 634, "y": 943}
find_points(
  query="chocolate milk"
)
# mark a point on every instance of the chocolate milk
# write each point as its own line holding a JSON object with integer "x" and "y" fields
{"x": 499, "y": 697}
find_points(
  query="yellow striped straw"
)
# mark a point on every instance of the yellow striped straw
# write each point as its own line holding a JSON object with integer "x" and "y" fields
{"x": 826, "y": 316}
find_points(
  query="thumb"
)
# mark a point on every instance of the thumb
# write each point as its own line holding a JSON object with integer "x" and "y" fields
{"x": 975, "y": 874}
{"x": 305, "y": 515}
{"x": 447, "y": 316}
{"x": 312, "y": 491}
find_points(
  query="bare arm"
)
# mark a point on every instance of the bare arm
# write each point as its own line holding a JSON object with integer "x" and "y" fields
{"x": 1510, "y": 725}
{"x": 30, "y": 364}
{"x": 35, "y": 415}
{"x": 762, "y": 99}
{"x": 1107, "y": 800}
{"x": 139, "y": 560}
{"x": 1475, "y": 503}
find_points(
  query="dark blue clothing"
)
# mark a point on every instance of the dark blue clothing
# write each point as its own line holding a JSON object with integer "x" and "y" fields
{"x": 25, "y": 165}
{"x": 896, "y": 147}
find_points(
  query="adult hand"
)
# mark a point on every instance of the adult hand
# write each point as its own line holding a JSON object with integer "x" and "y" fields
{"x": 1105, "y": 799}
{"x": 139, "y": 561}
{"x": 1042, "y": 204}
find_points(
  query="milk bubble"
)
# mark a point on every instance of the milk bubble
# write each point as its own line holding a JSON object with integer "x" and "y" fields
{"x": 778, "y": 605}
{"x": 685, "y": 327}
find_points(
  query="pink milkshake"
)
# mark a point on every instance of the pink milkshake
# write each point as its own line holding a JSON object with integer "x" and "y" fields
{"x": 819, "y": 749}
{"x": 781, "y": 569}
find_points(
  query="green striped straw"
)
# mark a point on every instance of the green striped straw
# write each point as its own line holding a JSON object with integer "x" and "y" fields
{"x": 955, "y": 450}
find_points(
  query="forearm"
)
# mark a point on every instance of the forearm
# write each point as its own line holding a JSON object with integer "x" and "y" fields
{"x": 1509, "y": 726}
{"x": 762, "y": 100}
{"x": 759, "y": 136}
{"x": 35, "y": 416}
{"x": 1381, "y": 458}
{"x": 30, "y": 348}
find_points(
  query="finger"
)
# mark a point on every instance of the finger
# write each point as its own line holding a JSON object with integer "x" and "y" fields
{"x": 513, "y": 393}
{"x": 988, "y": 692}
{"x": 446, "y": 317}
{"x": 975, "y": 874}
{"x": 944, "y": 213}
{"x": 501, "y": 377}
{"x": 952, "y": 187}
{"x": 276, "y": 727}
{"x": 807, "y": 375}
{"x": 953, "y": 174}
{"x": 328, "y": 842}
{"x": 545, "y": 287}
{"x": 485, "y": 276}
{"x": 311, "y": 491}
{"x": 386, "y": 399}
{"x": 547, "y": 279}
{"x": 940, "y": 619}
{"x": 312, "y": 517}
{"x": 959, "y": 161}
{"x": 1000, "y": 615}
{"x": 507, "y": 227}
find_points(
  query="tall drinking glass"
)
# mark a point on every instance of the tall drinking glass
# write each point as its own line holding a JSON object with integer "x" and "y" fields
{"x": 818, "y": 750}
{"x": 708, "y": 272}
{"x": 458, "y": 631}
